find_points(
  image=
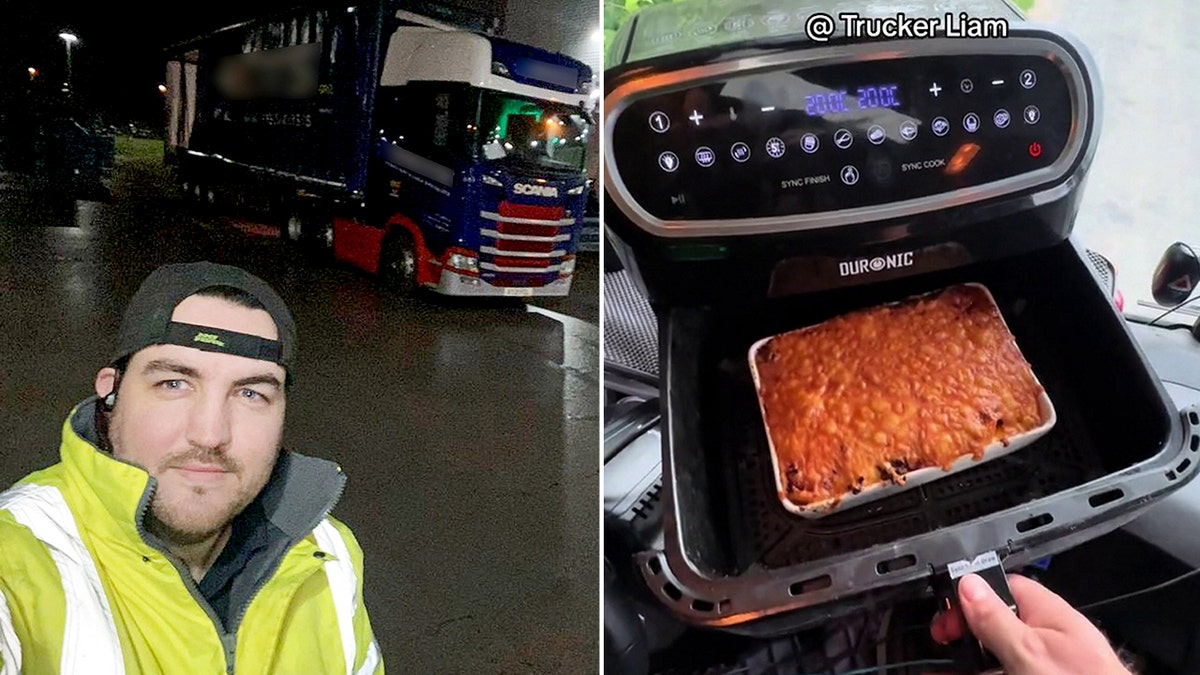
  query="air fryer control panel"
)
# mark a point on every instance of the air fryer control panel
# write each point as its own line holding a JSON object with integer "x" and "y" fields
{"x": 809, "y": 140}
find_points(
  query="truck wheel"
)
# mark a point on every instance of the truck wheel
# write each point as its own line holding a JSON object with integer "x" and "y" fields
{"x": 309, "y": 228}
{"x": 398, "y": 263}
{"x": 293, "y": 229}
{"x": 324, "y": 238}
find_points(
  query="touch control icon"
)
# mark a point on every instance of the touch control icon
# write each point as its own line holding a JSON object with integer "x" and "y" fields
{"x": 971, "y": 122}
{"x": 967, "y": 86}
{"x": 659, "y": 121}
{"x": 908, "y": 130}
{"x": 843, "y": 138}
{"x": 940, "y": 126}
{"x": 668, "y": 161}
{"x": 810, "y": 143}
{"x": 776, "y": 147}
{"x": 1032, "y": 114}
{"x": 740, "y": 151}
{"x": 1001, "y": 118}
{"x": 876, "y": 134}
{"x": 849, "y": 175}
{"x": 705, "y": 156}
{"x": 1028, "y": 78}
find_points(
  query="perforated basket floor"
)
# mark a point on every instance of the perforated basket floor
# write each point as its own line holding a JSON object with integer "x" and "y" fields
{"x": 630, "y": 327}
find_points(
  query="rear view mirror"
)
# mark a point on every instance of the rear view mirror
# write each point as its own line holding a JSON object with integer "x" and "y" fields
{"x": 1176, "y": 276}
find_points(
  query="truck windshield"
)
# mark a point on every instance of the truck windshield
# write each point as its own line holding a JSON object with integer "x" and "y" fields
{"x": 533, "y": 133}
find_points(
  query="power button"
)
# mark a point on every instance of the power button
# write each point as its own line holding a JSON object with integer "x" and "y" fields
{"x": 1035, "y": 149}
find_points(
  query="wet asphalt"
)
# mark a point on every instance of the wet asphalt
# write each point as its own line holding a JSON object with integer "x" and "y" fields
{"x": 468, "y": 430}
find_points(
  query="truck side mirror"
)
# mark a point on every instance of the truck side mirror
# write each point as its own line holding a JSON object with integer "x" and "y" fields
{"x": 1176, "y": 276}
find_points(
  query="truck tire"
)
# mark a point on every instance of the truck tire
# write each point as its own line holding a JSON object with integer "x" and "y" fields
{"x": 294, "y": 226}
{"x": 308, "y": 227}
{"x": 398, "y": 263}
{"x": 323, "y": 237}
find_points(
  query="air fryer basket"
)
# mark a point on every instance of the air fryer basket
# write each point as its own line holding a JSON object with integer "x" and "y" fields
{"x": 734, "y": 553}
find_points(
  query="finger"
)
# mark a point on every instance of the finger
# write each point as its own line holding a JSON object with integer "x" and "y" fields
{"x": 1039, "y": 606}
{"x": 947, "y": 627}
{"x": 992, "y": 621}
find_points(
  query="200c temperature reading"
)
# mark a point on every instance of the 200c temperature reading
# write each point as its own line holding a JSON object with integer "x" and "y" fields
{"x": 876, "y": 96}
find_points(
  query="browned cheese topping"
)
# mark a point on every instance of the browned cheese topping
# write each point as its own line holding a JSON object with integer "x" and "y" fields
{"x": 870, "y": 396}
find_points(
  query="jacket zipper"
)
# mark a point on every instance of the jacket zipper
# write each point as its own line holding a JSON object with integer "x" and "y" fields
{"x": 228, "y": 640}
{"x": 228, "y": 637}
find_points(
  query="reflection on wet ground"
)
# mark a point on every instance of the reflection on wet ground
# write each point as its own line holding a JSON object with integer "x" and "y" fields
{"x": 469, "y": 431}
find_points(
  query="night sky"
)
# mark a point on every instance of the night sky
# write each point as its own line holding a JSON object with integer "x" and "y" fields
{"x": 119, "y": 62}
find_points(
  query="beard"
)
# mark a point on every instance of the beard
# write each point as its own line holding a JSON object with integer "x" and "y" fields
{"x": 177, "y": 526}
{"x": 185, "y": 514}
{"x": 190, "y": 514}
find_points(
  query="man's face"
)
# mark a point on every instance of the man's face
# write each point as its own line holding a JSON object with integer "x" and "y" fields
{"x": 207, "y": 425}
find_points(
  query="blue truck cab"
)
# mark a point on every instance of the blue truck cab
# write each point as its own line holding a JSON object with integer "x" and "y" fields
{"x": 429, "y": 153}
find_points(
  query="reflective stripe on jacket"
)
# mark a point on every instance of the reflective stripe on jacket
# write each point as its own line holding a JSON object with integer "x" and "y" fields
{"x": 83, "y": 591}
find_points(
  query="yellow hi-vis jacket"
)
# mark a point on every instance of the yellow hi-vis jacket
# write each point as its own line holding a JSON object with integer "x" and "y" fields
{"x": 84, "y": 590}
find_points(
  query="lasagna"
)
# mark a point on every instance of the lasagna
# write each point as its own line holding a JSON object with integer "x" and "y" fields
{"x": 871, "y": 396}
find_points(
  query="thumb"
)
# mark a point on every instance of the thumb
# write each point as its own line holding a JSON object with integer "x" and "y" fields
{"x": 991, "y": 621}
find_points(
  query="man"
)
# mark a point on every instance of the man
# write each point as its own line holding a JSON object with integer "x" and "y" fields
{"x": 175, "y": 536}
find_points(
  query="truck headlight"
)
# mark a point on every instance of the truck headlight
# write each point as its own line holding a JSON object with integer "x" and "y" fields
{"x": 492, "y": 180}
{"x": 567, "y": 267}
{"x": 463, "y": 262}
{"x": 577, "y": 190}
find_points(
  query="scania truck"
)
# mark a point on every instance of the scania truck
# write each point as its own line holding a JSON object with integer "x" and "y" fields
{"x": 427, "y": 151}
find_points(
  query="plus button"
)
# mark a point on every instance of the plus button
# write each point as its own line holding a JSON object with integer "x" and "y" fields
{"x": 696, "y": 117}
{"x": 935, "y": 89}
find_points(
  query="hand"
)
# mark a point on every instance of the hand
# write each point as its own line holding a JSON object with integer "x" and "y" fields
{"x": 1049, "y": 638}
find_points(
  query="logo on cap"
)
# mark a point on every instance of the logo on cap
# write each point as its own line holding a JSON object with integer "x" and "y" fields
{"x": 209, "y": 339}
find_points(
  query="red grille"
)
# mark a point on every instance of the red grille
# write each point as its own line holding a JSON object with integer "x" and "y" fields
{"x": 527, "y": 230}
{"x": 552, "y": 214}
{"x": 510, "y": 210}
{"x": 524, "y": 246}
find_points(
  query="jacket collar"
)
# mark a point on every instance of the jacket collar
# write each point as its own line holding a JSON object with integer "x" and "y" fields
{"x": 300, "y": 493}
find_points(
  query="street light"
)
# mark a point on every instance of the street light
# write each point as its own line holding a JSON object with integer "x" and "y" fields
{"x": 33, "y": 72}
{"x": 162, "y": 88}
{"x": 70, "y": 39}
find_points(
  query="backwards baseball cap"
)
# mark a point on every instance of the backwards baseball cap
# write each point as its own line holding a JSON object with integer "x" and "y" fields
{"x": 147, "y": 319}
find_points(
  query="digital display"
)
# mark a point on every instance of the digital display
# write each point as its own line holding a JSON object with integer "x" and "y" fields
{"x": 865, "y": 98}
{"x": 800, "y": 141}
